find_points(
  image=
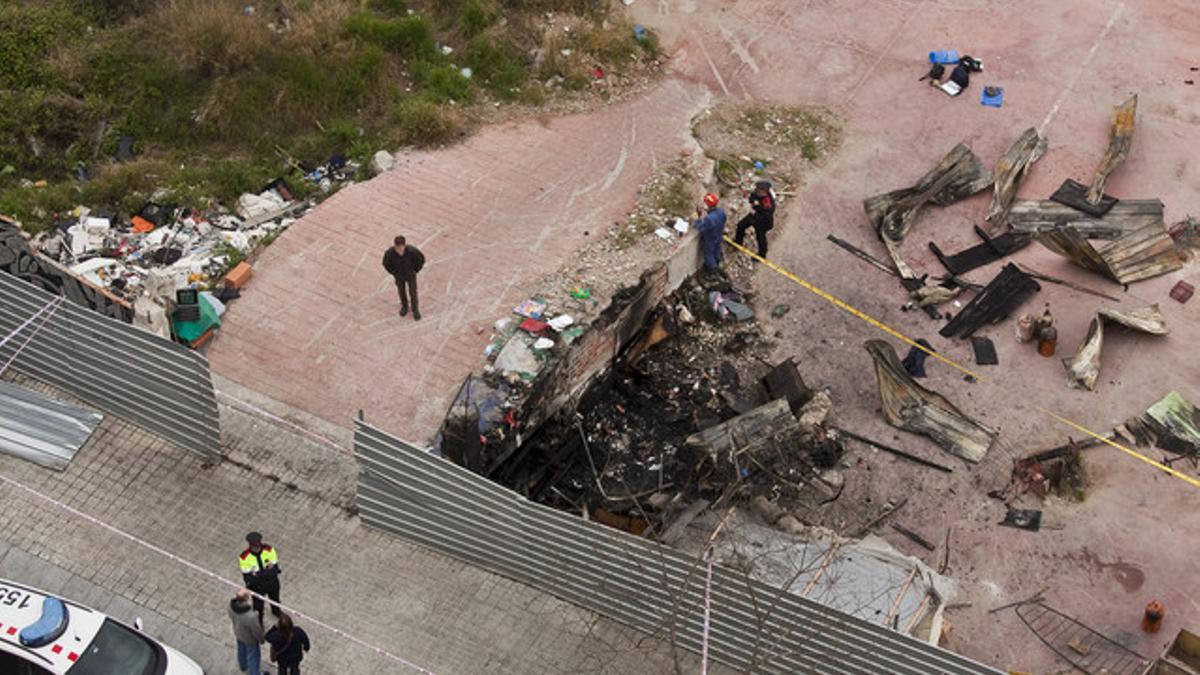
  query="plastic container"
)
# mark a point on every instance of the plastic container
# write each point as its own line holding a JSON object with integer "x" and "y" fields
{"x": 944, "y": 56}
{"x": 1025, "y": 326}
{"x": 1152, "y": 619}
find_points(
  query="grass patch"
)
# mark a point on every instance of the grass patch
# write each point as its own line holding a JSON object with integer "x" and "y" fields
{"x": 410, "y": 36}
{"x": 813, "y": 130}
{"x": 214, "y": 98}
{"x": 423, "y": 122}
{"x": 668, "y": 194}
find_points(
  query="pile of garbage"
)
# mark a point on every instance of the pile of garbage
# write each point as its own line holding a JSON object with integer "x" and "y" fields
{"x": 193, "y": 248}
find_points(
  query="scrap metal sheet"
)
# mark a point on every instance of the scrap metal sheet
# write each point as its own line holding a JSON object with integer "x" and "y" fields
{"x": 1084, "y": 367}
{"x": 1011, "y": 168}
{"x": 959, "y": 175}
{"x": 1119, "y": 139}
{"x": 41, "y": 429}
{"x": 909, "y": 406}
{"x": 1141, "y": 254}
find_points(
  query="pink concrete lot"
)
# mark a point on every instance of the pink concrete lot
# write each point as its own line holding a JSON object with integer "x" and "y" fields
{"x": 1063, "y": 66}
{"x": 317, "y": 327}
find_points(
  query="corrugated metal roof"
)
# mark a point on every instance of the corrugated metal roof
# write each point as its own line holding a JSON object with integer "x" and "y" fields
{"x": 41, "y": 429}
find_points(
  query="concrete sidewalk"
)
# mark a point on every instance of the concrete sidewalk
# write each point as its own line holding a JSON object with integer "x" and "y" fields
{"x": 430, "y": 610}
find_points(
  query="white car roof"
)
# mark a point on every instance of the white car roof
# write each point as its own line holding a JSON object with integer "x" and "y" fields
{"x": 21, "y": 606}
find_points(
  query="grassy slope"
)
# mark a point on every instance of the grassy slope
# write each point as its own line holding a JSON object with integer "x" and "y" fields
{"x": 215, "y": 99}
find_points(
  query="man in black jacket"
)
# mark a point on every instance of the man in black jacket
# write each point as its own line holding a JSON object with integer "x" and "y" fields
{"x": 761, "y": 216}
{"x": 403, "y": 262}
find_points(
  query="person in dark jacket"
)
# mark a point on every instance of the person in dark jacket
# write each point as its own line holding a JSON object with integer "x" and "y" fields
{"x": 761, "y": 216}
{"x": 711, "y": 228}
{"x": 403, "y": 262}
{"x": 288, "y": 645}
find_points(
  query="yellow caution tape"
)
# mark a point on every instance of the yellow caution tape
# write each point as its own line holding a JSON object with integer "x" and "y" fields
{"x": 841, "y": 304}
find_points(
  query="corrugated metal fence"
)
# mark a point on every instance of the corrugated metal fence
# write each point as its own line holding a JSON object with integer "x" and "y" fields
{"x": 754, "y": 626}
{"x": 155, "y": 384}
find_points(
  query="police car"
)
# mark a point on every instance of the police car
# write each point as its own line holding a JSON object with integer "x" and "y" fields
{"x": 44, "y": 635}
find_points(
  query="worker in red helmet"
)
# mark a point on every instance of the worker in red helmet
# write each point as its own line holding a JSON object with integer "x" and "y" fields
{"x": 711, "y": 226}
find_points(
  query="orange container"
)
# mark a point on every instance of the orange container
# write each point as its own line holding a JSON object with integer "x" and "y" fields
{"x": 1153, "y": 617}
{"x": 141, "y": 225}
{"x": 239, "y": 275}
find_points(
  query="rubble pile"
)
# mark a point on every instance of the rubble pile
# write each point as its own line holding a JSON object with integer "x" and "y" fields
{"x": 682, "y": 415}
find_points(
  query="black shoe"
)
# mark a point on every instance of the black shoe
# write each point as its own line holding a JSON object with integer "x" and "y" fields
{"x": 403, "y": 311}
{"x": 416, "y": 315}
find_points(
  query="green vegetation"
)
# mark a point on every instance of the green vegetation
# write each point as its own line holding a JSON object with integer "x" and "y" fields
{"x": 218, "y": 101}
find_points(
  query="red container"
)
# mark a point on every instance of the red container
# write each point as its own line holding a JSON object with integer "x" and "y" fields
{"x": 1182, "y": 291}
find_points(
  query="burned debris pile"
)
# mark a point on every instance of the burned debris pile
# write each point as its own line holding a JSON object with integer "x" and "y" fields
{"x": 689, "y": 414}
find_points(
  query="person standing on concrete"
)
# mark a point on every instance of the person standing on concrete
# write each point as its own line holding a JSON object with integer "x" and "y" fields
{"x": 248, "y": 632}
{"x": 288, "y": 645}
{"x": 259, "y": 563}
{"x": 711, "y": 227}
{"x": 403, "y": 262}
{"x": 761, "y": 216}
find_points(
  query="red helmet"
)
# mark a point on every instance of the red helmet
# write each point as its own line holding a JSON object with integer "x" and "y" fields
{"x": 711, "y": 200}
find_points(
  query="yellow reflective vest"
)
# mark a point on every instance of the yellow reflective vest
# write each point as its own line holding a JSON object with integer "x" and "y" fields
{"x": 249, "y": 562}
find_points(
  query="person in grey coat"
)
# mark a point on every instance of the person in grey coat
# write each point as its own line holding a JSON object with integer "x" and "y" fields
{"x": 248, "y": 631}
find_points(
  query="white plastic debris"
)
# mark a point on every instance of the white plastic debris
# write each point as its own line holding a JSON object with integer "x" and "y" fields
{"x": 251, "y": 206}
{"x": 447, "y": 50}
{"x": 543, "y": 343}
{"x": 382, "y": 161}
{"x": 466, "y": 72}
{"x": 681, "y": 226}
{"x": 663, "y": 233}
{"x": 561, "y": 321}
{"x": 96, "y": 225}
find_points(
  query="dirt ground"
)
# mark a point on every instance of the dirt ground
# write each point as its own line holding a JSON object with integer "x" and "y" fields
{"x": 1063, "y": 66}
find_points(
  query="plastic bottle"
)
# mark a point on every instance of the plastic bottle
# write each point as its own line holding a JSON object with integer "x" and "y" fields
{"x": 944, "y": 56}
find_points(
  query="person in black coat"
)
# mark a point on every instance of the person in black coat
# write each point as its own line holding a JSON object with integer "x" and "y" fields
{"x": 288, "y": 645}
{"x": 761, "y": 216}
{"x": 403, "y": 262}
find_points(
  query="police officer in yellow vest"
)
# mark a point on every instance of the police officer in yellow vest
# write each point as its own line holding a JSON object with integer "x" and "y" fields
{"x": 260, "y": 570}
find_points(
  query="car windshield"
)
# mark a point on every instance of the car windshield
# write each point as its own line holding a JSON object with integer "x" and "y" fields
{"x": 116, "y": 649}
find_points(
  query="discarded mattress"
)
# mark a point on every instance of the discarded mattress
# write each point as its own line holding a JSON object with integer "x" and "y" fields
{"x": 909, "y": 406}
{"x": 40, "y": 429}
{"x": 959, "y": 175}
{"x": 868, "y": 579}
{"x": 1084, "y": 367}
{"x": 1141, "y": 254}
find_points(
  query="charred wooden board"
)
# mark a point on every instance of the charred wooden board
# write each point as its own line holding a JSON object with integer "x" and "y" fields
{"x": 1072, "y": 193}
{"x": 1006, "y": 292}
{"x": 1034, "y": 215}
{"x": 979, "y": 255}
